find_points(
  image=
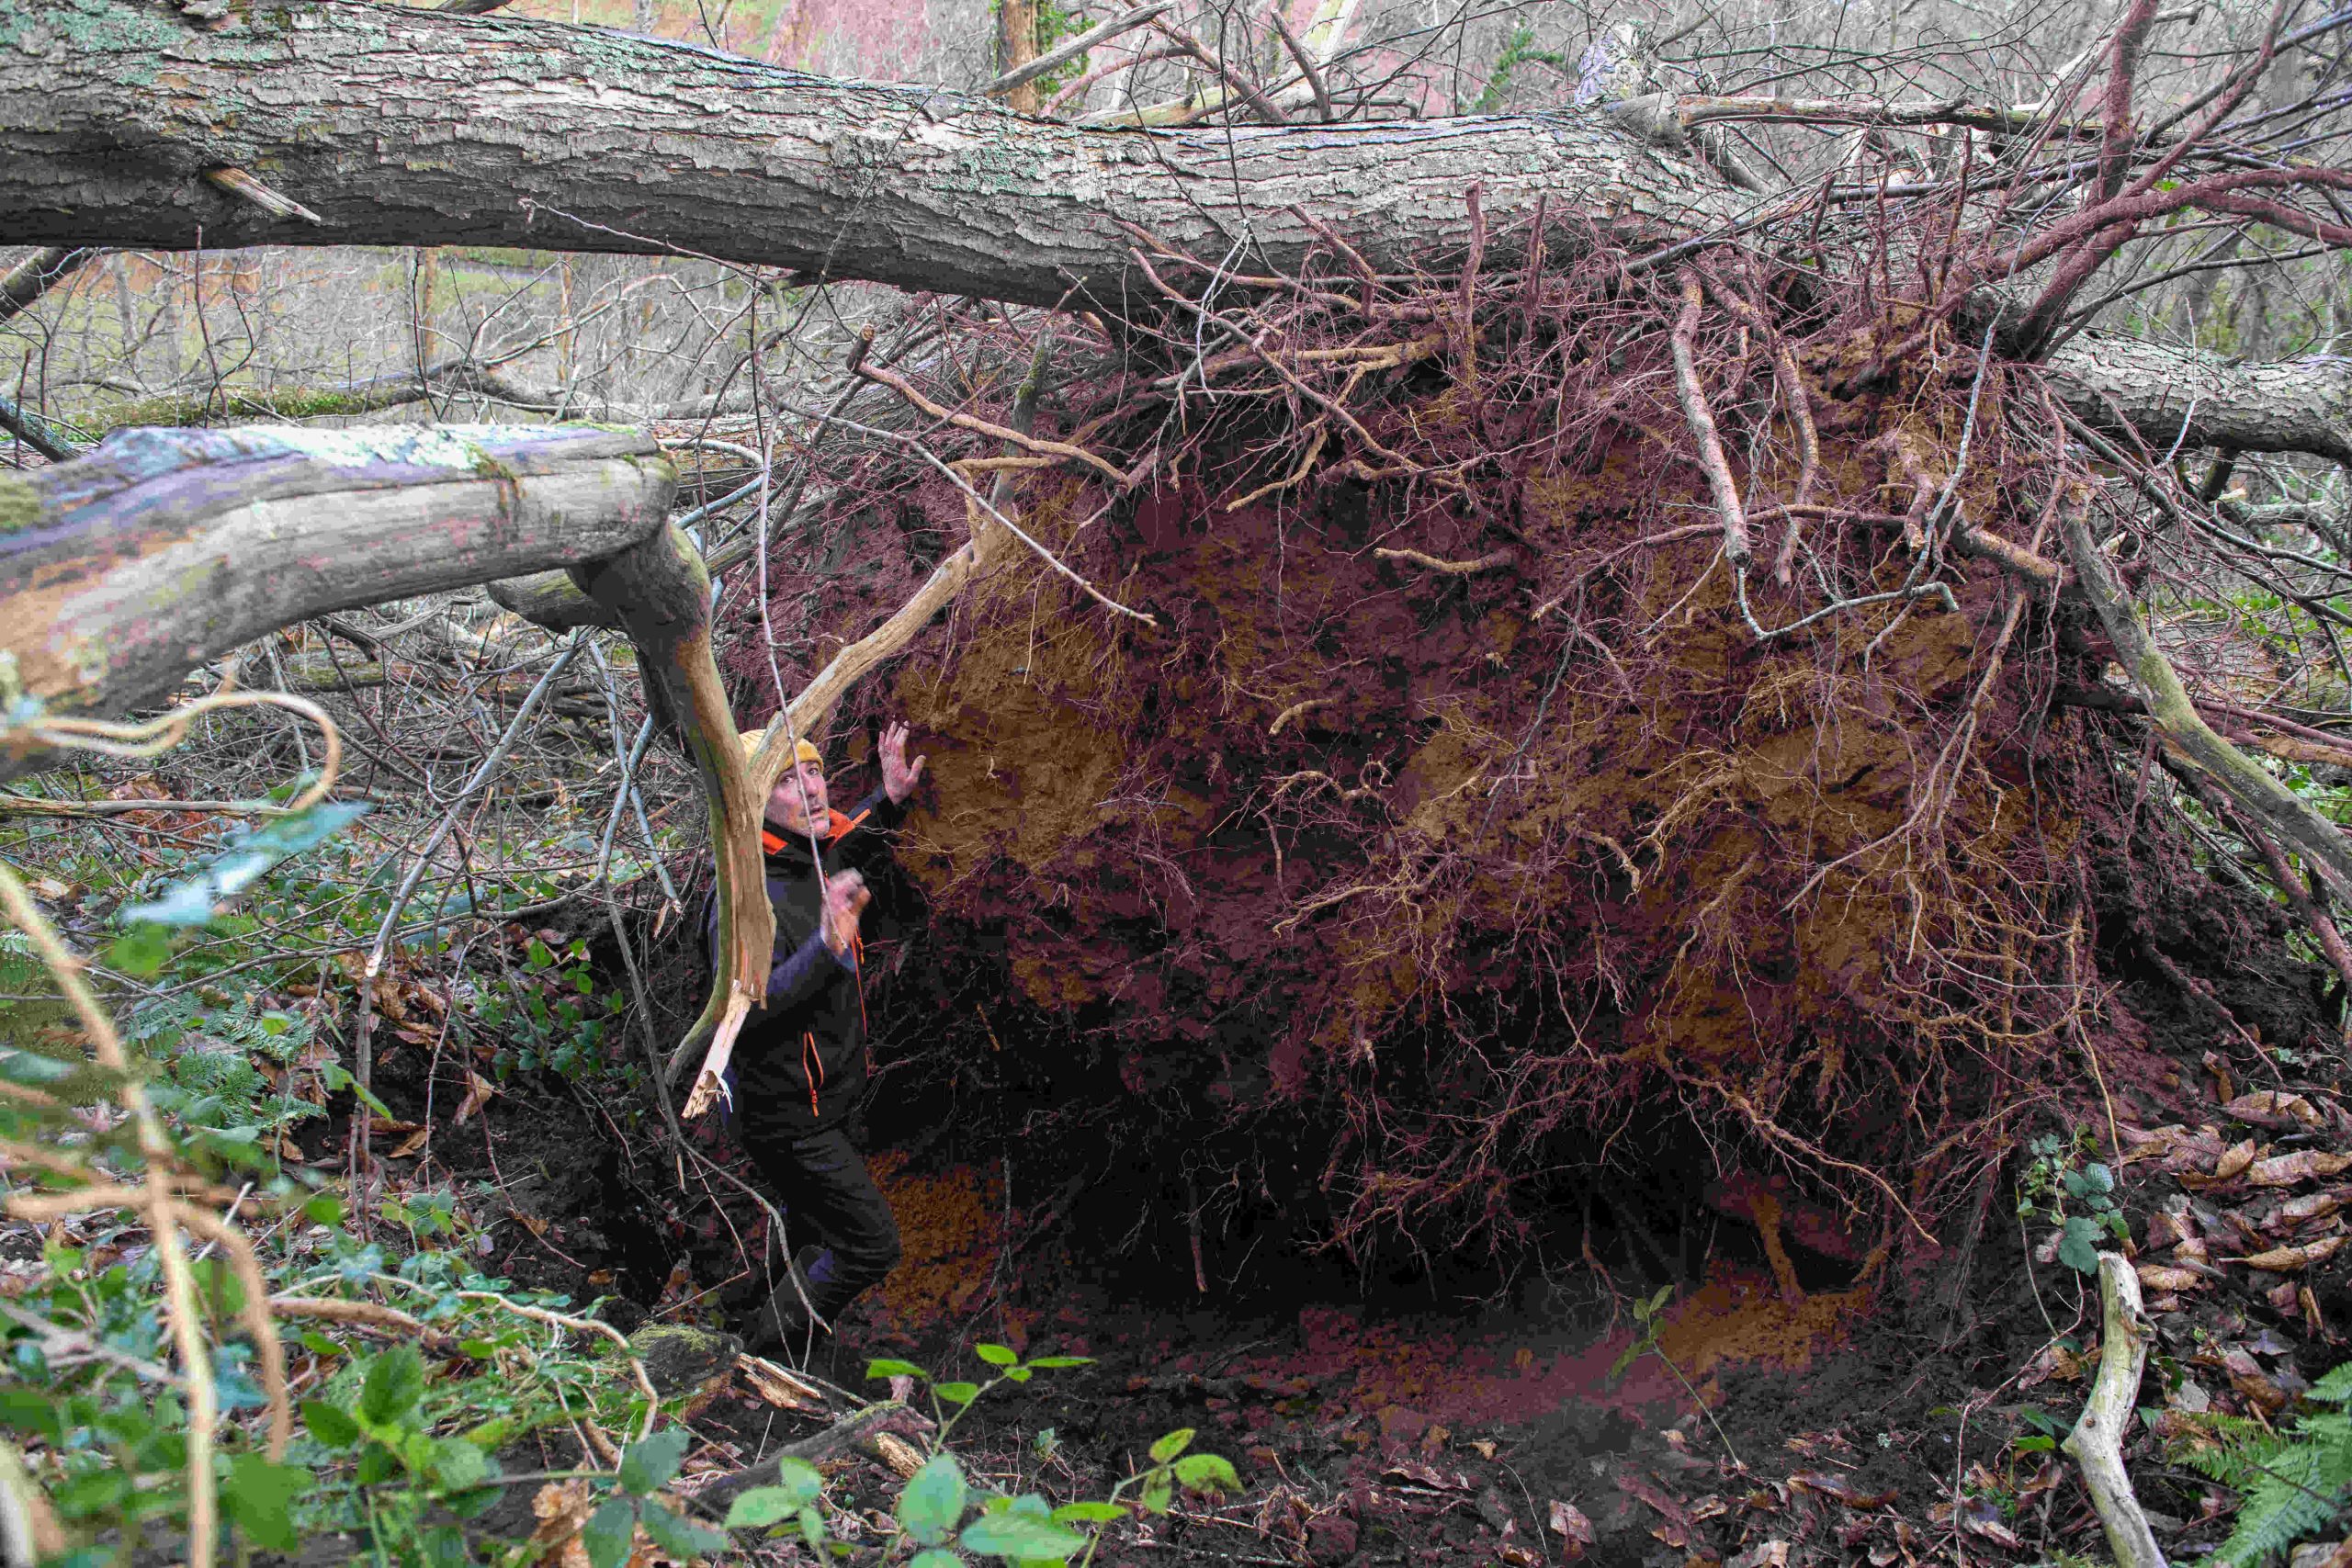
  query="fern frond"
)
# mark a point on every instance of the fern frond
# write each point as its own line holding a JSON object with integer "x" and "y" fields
{"x": 2335, "y": 1388}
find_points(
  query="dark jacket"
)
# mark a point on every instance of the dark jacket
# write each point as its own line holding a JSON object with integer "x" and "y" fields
{"x": 799, "y": 1065}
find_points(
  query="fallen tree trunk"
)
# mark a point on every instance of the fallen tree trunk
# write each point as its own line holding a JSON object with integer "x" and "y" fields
{"x": 404, "y": 126}
{"x": 2165, "y": 396}
{"x": 165, "y": 548}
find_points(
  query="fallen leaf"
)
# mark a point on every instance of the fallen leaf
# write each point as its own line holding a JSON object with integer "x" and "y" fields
{"x": 477, "y": 1092}
{"x": 1435, "y": 1480}
{"x": 2275, "y": 1104}
{"x": 1483, "y": 1448}
{"x": 2234, "y": 1159}
{"x": 2303, "y": 1165}
{"x": 2286, "y": 1260}
{"x": 2161, "y": 1277}
{"x": 412, "y": 1143}
{"x": 2311, "y": 1206}
{"x": 1433, "y": 1441}
{"x": 2221, "y": 1075}
{"x": 1569, "y": 1522}
{"x": 1838, "y": 1487}
{"x": 1979, "y": 1517}
{"x": 1518, "y": 1556}
{"x": 1763, "y": 1555}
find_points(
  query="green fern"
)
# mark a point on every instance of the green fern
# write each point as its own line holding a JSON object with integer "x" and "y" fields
{"x": 2294, "y": 1483}
{"x": 209, "y": 1079}
{"x": 18, "y": 963}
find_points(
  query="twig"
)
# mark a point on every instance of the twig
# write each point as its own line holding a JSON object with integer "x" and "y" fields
{"x": 1307, "y": 66}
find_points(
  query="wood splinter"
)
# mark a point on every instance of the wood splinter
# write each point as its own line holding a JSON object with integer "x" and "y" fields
{"x": 238, "y": 183}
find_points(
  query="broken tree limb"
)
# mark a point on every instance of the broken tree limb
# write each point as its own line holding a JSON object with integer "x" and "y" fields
{"x": 163, "y": 549}
{"x": 2096, "y": 1441}
{"x": 2165, "y": 396}
{"x": 660, "y": 593}
{"x": 25, "y": 282}
{"x": 2248, "y": 785}
{"x": 859, "y": 1431}
{"x": 551, "y": 601}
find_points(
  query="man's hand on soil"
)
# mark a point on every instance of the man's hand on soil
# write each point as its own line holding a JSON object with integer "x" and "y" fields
{"x": 846, "y": 897}
{"x": 899, "y": 775}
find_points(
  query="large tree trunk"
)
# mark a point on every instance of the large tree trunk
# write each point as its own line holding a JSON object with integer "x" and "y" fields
{"x": 401, "y": 127}
{"x": 165, "y": 548}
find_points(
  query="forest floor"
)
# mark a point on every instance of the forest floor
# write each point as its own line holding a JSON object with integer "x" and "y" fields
{"x": 1897, "y": 1417}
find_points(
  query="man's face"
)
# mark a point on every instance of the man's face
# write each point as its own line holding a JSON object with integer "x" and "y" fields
{"x": 799, "y": 798}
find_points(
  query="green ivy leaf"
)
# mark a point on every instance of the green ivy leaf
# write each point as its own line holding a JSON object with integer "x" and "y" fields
{"x": 1088, "y": 1513}
{"x": 995, "y": 1354}
{"x": 932, "y": 1501}
{"x": 1174, "y": 1443}
{"x": 957, "y": 1393}
{"x": 330, "y": 1423}
{"x": 1207, "y": 1472}
{"x": 395, "y": 1382}
{"x": 650, "y": 1463}
{"x": 889, "y": 1368}
{"x": 1020, "y": 1535}
{"x": 609, "y": 1533}
{"x": 812, "y": 1530}
{"x": 681, "y": 1538}
{"x": 934, "y": 1557}
{"x": 1063, "y": 1362}
{"x": 258, "y": 1498}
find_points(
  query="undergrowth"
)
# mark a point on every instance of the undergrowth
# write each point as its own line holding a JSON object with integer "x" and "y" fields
{"x": 2294, "y": 1481}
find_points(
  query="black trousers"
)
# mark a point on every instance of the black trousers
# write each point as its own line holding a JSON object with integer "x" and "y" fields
{"x": 828, "y": 1198}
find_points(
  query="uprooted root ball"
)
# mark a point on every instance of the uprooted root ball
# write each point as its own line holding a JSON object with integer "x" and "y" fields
{"x": 1479, "y": 795}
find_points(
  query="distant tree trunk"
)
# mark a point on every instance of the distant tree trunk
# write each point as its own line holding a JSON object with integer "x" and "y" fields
{"x": 1016, "y": 45}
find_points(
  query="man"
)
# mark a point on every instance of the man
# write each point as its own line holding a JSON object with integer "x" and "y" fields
{"x": 799, "y": 1065}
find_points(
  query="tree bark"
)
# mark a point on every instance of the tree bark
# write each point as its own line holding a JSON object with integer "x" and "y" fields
{"x": 401, "y": 127}
{"x": 2118, "y": 383}
{"x": 165, "y": 548}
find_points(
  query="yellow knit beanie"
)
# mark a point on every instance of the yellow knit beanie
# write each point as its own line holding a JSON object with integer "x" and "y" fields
{"x": 803, "y": 752}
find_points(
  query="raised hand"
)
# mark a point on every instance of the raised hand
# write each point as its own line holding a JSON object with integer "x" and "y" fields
{"x": 899, "y": 775}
